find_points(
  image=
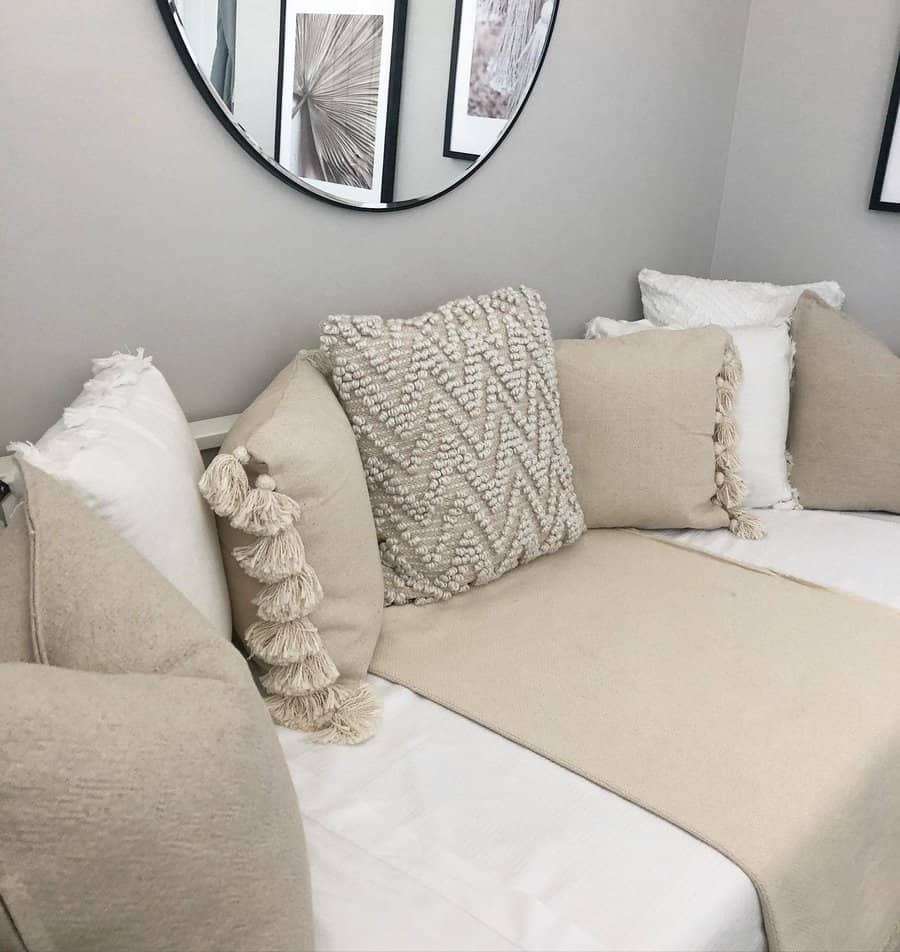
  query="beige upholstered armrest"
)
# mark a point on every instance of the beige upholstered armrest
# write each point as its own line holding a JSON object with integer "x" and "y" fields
{"x": 144, "y": 799}
{"x": 145, "y": 812}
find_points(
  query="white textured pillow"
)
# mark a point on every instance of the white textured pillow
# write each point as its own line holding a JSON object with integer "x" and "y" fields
{"x": 762, "y": 404}
{"x": 678, "y": 300}
{"x": 125, "y": 447}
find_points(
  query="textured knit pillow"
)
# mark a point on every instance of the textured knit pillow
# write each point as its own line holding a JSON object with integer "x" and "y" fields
{"x": 144, "y": 799}
{"x": 457, "y": 418}
{"x": 761, "y": 405}
{"x": 845, "y": 413}
{"x": 649, "y": 425}
{"x": 679, "y": 300}
{"x": 301, "y": 555}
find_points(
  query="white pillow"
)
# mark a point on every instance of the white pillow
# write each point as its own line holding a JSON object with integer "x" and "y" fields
{"x": 762, "y": 403}
{"x": 125, "y": 447}
{"x": 678, "y": 300}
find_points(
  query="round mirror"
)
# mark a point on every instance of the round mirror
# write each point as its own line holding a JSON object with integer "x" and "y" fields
{"x": 372, "y": 104}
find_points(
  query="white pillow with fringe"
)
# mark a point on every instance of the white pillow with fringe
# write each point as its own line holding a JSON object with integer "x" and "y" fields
{"x": 125, "y": 447}
{"x": 761, "y": 406}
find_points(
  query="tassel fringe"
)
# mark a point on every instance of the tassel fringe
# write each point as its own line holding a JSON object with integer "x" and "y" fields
{"x": 264, "y": 512}
{"x": 333, "y": 715}
{"x": 293, "y": 597}
{"x": 302, "y": 681}
{"x": 224, "y": 485}
{"x": 273, "y": 558}
{"x": 283, "y": 642}
{"x": 314, "y": 672}
{"x": 730, "y": 488}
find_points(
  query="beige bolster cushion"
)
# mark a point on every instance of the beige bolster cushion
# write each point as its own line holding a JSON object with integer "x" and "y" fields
{"x": 844, "y": 432}
{"x": 144, "y": 799}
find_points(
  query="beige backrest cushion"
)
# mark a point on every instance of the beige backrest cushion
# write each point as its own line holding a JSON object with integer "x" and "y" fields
{"x": 15, "y": 611}
{"x": 639, "y": 414}
{"x": 844, "y": 432}
{"x": 297, "y": 432}
{"x": 144, "y": 799}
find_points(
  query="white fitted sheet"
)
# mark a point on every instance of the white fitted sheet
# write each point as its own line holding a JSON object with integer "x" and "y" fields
{"x": 439, "y": 834}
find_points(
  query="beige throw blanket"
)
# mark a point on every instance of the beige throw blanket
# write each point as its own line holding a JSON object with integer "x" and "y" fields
{"x": 758, "y": 713}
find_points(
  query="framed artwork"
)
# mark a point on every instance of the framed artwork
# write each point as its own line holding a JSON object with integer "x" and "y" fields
{"x": 339, "y": 74}
{"x": 496, "y": 52}
{"x": 886, "y": 190}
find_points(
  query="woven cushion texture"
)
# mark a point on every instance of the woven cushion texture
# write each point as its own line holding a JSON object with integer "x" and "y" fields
{"x": 144, "y": 799}
{"x": 297, "y": 432}
{"x": 457, "y": 418}
{"x": 845, "y": 413}
{"x": 635, "y": 465}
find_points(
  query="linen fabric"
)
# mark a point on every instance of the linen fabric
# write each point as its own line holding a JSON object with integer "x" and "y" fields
{"x": 761, "y": 408}
{"x": 762, "y": 718}
{"x": 679, "y": 300}
{"x": 15, "y": 609}
{"x": 457, "y": 418}
{"x": 297, "y": 432}
{"x": 638, "y": 418}
{"x": 845, "y": 418}
{"x": 523, "y": 854}
{"x": 144, "y": 801}
{"x": 125, "y": 447}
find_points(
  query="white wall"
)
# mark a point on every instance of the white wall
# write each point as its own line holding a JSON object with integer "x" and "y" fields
{"x": 809, "y": 117}
{"x": 131, "y": 217}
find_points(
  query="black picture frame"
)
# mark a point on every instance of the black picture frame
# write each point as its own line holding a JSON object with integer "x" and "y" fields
{"x": 449, "y": 151}
{"x": 891, "y": 133}
{"x": 395, "y": 84}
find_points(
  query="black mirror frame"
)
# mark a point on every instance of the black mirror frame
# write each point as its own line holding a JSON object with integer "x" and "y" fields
{"x": 236, "y": 131}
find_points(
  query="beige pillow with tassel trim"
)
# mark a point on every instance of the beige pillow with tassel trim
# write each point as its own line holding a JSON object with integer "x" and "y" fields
{"x": 648, "y": 422}
{"x": 301, "y": 557}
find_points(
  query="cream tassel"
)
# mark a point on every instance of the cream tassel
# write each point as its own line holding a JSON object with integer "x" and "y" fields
{"x": 730, "y": 488}
{"x": 273, "y": 558}
{"x": 293, "y": 597}
{"x": 264, "y": 512}
{"x": 283, "y": 642}
{"x": 307, "y": 711}
{"x": 336, "y": 714}
{"x": 353, "y": 722}
{"x": 224, "y": 485}
{"x": 316, "y": 671}
{"x": 747, "y": 526}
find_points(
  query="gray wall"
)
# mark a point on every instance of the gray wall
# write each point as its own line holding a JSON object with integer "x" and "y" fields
{"x": 810, "y": 113}
{"x": 130, "y": 217}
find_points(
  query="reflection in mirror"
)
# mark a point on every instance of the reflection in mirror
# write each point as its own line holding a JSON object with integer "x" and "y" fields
{"x": 351, "y": 99}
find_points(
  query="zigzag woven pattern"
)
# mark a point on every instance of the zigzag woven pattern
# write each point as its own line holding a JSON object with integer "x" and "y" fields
{"x": 457, "y": 418}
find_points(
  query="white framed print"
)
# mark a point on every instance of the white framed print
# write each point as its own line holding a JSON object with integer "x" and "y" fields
{"x": 886, "y": 190}
{"x": 339, "y": 74}
{"x": 497, "y": 49}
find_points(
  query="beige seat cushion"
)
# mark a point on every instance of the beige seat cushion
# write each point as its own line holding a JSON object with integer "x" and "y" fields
{"x": 457, "y": 417}
{"x": 640, "y": 422}
{"x": 844, "y": 432}
{"x": 15, "y": 612}
{"x": 144, "y": 799}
